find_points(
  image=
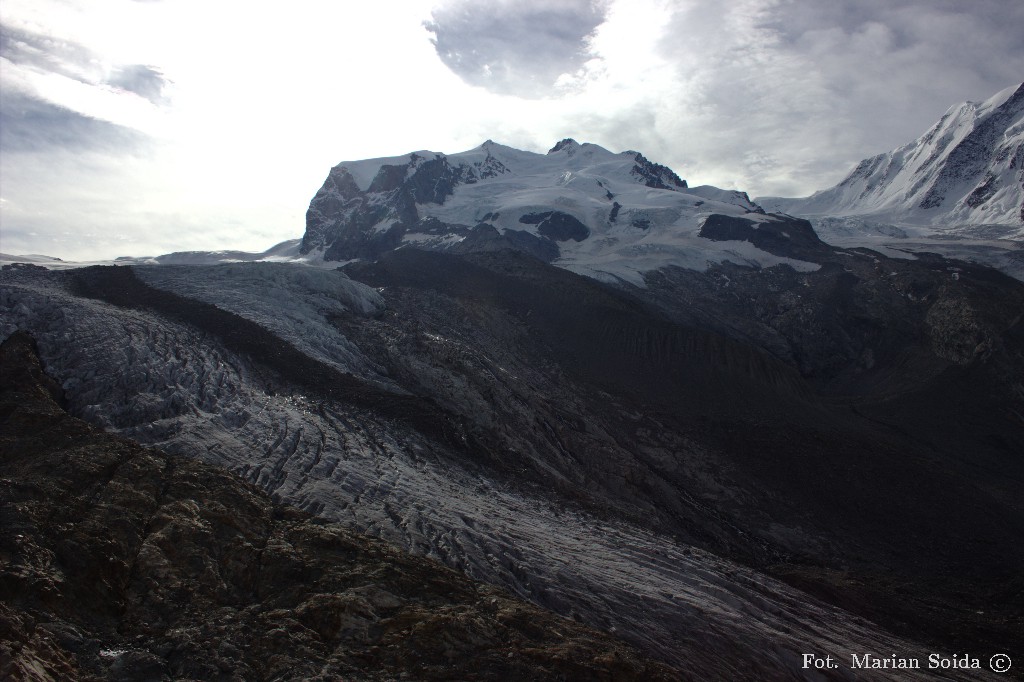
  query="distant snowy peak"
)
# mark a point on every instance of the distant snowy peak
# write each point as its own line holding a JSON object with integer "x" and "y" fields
{"x": 608, "y": 215}
{"x": 646, "y": 172}
{"x": 967, "y": 169}
{"x": 568, "y": 144}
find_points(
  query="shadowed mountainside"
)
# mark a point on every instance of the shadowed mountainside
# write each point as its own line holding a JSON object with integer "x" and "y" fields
{"x": 865, "y": 482}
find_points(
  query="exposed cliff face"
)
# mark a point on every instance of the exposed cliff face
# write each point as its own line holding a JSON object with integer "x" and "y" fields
{"x": 348, "y": 220}
{"x": 784, "y": 236}
{"x": 124, "y": 563}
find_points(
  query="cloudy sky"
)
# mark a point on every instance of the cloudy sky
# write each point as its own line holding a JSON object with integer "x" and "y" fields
{"x": 141, "y": 127}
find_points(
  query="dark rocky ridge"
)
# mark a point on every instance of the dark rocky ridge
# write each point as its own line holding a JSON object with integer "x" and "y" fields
{"x": 651, "y": 174}
{"x": 656, "y": 175}
{"x": 784, "y": 236}
{"x": 557, "y": 225}
{"x": 484, "y": 238}
{"x": 562, "y": 144}
{"x": 123, "y": 563}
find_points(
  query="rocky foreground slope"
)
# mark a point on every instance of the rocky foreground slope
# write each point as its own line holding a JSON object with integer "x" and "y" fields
{"x": 125, "y": 563}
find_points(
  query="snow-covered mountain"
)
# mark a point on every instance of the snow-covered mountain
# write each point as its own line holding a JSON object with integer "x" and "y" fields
{"x": 968, "y": 169}
{"x": 605, "y": 215}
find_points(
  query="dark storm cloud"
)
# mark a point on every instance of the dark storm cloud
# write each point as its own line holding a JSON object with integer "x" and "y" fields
{"x": 144, "y": 81}
{"x": 29, "y": 125}
{"x": 514, "y": 48}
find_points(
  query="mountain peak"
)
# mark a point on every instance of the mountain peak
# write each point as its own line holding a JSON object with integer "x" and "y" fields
{"x": 567, "y": 143}
{"x": 967, "y": 169}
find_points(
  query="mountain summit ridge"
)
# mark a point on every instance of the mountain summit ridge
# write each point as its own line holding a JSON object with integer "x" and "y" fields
{"x": 608, "y": 215}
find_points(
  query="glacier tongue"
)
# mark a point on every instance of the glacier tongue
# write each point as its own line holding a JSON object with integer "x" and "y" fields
{"x": 297, "y": 304}
{"x": 165, "y": 383}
